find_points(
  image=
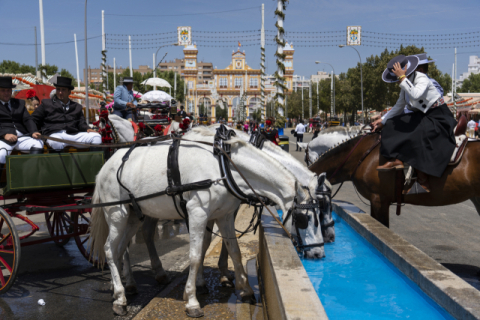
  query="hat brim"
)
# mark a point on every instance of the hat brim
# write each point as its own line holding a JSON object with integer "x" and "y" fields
{"x": 426, "y": 61}
{"x": 11, "y": 86}
{"x": 69, "y": 87}
{"x": 389, "y": 78}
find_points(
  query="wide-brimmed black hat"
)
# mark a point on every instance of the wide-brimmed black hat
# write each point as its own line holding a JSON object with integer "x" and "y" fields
{"x": 127, "y": 80}
{"x": 411, "y": 62}
{"x": 64, "y": 82}
{"x": 6, "y": 82}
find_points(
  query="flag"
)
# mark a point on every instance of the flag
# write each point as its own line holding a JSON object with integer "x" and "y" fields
{"x": 239, "y": 44}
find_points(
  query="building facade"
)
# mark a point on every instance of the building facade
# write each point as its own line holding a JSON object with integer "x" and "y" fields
{"x": 230, "y": 85}
{"x": 473, "y": 67}
{"x": 95, "y": 75}
{"x": 205, "y": 69}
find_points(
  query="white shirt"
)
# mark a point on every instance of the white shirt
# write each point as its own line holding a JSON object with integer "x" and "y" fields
{"x": 300, "y": 129}
{"x": 471, "y": 124}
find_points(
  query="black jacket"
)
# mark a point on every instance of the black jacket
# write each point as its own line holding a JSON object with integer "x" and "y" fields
{"x": 51, "y": 117}
{"x": 19, "y": 119}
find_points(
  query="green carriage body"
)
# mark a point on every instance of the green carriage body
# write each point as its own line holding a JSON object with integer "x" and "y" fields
{"x": 52, "y": 171}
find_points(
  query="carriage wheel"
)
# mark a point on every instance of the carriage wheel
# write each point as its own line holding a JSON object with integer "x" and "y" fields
{"x": 9, "y": 251}
{"x": 59, "y": 223}
{"x": 81, "y": 224}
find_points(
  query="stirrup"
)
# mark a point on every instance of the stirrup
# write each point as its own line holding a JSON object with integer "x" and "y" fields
{"x": 416, "y": 189}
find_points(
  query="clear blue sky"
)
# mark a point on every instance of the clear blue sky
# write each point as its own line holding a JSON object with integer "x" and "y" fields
{"x": 64, "y": 18}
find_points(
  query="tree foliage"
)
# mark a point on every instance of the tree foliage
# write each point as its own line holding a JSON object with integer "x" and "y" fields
{"x": 471, "y": 84}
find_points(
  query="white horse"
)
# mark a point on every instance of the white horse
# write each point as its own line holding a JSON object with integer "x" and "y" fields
{"x": 327, "y": 139}
{"x": 112, "y": 227}
{"x": 301, "y": 173}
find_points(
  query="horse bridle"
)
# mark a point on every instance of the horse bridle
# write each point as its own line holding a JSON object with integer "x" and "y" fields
{"x": 300, "y": 220}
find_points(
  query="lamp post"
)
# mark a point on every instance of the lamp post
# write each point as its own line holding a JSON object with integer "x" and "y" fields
{"x": 87, "y": 107}
{"x": 332, "y": 88}
{"x": 155, "y": 60}
{"x": 361, "y": 77}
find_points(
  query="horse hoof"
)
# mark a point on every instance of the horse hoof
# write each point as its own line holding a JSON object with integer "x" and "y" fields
{"x": 202, "y": 290}
{"x": 120, "y": 310}
{"x": 226, "y": 282}
{"x": 163, "y": 279}
{"x": 131, "y": 289}
{"x": 194, "y": 312}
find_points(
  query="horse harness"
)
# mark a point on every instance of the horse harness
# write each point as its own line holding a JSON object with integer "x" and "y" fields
{"x": 300, "y": 220}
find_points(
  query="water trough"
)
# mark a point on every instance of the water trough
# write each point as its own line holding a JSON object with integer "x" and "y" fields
{"x": 369, "y": 273}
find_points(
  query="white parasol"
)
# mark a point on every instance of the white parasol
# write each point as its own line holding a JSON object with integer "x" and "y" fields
{"x": 157, "y": 82}
{"x": 157, "y": 95}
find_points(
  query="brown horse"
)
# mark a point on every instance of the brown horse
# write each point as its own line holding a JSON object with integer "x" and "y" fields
{"x": 458, "y": 183}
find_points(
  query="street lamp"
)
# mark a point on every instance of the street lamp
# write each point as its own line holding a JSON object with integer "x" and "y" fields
{"x": 332, "y": 88}
{"x": 155, "y": 60}
{"x": 361, "y": 77}
{"x": 87, "y": 107}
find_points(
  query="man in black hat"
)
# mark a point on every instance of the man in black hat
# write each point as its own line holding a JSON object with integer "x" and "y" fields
{"x": 182, "y": 113}
{"x": 17, "y": 128}
{"x": 124, "y": 100}
{"x": 62, "y": 118}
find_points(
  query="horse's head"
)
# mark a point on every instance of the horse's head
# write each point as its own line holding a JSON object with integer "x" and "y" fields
{"x": 305, "y": 215}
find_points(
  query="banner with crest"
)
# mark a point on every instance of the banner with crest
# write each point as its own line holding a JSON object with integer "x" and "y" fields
{"x": 184, "y": 36}
{"x": 354, "y": 36}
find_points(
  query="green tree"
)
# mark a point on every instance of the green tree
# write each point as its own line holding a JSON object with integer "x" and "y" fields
{"x": 221, "y": 113}
{"x": 471, "y": 84}
{"x": 7, "y": 66}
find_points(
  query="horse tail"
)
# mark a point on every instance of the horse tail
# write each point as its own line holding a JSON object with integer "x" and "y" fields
{"x": 98, "y": 231}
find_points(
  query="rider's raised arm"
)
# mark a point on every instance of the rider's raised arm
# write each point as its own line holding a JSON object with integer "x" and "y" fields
{"x": 396, "y": 109}
{"x": 415, "y": 91}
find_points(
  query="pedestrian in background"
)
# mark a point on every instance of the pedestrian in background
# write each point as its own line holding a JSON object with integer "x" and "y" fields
{"x": 300, "y": 130}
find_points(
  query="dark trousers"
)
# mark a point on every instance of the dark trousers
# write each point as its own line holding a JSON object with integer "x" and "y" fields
{"x": 125, "y": 114}
{"x": 299, "y": 139}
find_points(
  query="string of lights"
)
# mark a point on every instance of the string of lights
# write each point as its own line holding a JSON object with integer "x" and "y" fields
{"x": 47, "y": 44}
{"x": 422, "y": 39}
{"x": 421, "y": 35}
{"x": 428, "y": 44}
{"x": 396, "y": 45}
{"x": 178, "y": 15}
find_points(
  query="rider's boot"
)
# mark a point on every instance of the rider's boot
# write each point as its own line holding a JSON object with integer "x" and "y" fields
{"x": 391, "y": 165}
{"x": 34, "y": 150}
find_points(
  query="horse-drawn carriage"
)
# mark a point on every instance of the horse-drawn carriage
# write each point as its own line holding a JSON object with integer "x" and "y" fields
{"x": 34, "y": 183}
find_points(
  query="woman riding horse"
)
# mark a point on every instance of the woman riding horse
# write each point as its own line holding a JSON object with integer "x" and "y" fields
{"x": 424, "y": 138}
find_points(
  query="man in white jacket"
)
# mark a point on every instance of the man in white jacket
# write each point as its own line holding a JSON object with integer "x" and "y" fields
{"x": 300, "y": 130}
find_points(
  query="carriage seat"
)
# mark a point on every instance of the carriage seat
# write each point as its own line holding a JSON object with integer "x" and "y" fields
{"x": 461, "y": 127}
{"x": 460, "y": 141}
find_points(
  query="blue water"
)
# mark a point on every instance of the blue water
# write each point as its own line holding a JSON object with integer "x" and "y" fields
{"x": 355, "y": 281}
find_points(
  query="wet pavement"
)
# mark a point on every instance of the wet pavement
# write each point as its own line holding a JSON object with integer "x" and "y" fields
{"x": 74, "y": 289}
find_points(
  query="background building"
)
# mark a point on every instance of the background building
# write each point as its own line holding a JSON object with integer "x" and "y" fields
{"x": 227, "y": 86}
{"x": 95, "y": 75}
{"x": 178, "y": 65}
{"x": 473, "y": 67}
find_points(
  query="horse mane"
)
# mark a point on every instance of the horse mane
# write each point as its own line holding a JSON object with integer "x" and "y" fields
{"x": 337, "y": 148}
{"x": 337, "y": 129}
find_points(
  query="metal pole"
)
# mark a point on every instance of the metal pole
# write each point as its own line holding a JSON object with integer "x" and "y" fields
{"x": 332, "y": 107}
{"x": 318, "y": 103}
{"x": 175, "y": 85}
{"x": 310, "y": 98}
{"x": 36, "y": 53}
{"x": 103, "y": 30}
{"x": 455, "y": 84}
{"x": 114, "y": 75}
{"x": 42, "y": 36}
{"x": 76, "y": 57}
{"x": 154, "y": 70}
{"x": 303, "y": 112}
{"x": 130, "y": 52}
{"x": 87, "y": 107}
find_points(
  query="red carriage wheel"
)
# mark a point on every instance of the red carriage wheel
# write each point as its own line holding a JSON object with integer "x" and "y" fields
{"x": 82, "y": 235}
{"x": 9, "y": 251}
{"x": 59, "y": 224}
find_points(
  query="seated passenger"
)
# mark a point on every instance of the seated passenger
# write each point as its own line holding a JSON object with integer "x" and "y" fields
{"x": 62, "y": 118}
{"x": 17, "y": 128}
